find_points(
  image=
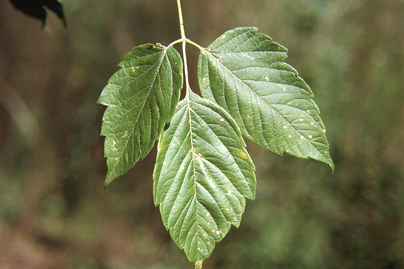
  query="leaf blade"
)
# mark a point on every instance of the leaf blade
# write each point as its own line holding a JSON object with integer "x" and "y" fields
{"x": 243, "y": 72}
{"x": 141, "y": 98}
{"x": 202, "y": 176}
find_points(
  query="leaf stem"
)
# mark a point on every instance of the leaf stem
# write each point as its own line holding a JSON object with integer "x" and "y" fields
{"x": 195, "y": 44}
{"x": 184, "y": 43}
{"x": 174, "y": 42}
{"x": 198, "y": 263}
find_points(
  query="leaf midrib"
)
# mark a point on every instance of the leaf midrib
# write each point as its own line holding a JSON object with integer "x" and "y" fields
{"x": 140, "y": 112}
{"x": 259, "y": 97}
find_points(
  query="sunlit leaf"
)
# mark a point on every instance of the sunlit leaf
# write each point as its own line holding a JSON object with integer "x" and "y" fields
{"x": 243, "y": 72}
{"x": 141, "y": 98}
{"x": 202, "y": 176}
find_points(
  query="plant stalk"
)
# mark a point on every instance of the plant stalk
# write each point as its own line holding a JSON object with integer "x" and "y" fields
{"x": 184, "y": 43}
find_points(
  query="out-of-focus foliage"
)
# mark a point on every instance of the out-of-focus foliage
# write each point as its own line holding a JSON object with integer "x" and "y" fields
{"x": 54, "y": 211}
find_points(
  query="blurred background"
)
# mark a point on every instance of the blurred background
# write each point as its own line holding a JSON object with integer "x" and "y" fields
{"x": 54, "y": 212}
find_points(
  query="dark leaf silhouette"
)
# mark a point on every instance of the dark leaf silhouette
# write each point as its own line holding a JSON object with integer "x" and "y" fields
{"x": 36, "y": 9}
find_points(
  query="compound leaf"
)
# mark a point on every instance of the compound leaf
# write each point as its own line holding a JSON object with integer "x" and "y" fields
{"x": 243, "y": 72}
{"x": 202, "y": 176}
{"x": 141, "y": 98}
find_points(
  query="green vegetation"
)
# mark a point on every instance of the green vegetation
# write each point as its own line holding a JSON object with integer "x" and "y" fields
{"x": 203, "y": 172}
{"x": 54, "y": 211}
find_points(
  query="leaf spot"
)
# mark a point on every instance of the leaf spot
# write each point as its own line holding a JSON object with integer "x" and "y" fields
{"x": 284, "y": 127}
{"x": 248, "y": 56}
{"x": 242, "y": 155}
{"x": 267, "y": 78}
{"x": 301, "y": 136}
{"x": 310, "y": 136}
{"x": 222, "y": 120}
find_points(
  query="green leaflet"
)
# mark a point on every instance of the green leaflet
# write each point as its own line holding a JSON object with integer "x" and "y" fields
{"x": 242, "y": 71}
{"x": 202, "y": 176}
{"x": 141, "y": 98}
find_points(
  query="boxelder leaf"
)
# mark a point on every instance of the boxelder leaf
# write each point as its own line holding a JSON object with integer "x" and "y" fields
{"x": 242, "y": 71}
{"x": 202, "y": 176}
{"x": 141, "y": 98}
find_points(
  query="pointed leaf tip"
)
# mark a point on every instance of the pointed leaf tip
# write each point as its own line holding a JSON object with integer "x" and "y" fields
{"x": 243, "y": 72}
{"x": 141, "y": 98}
